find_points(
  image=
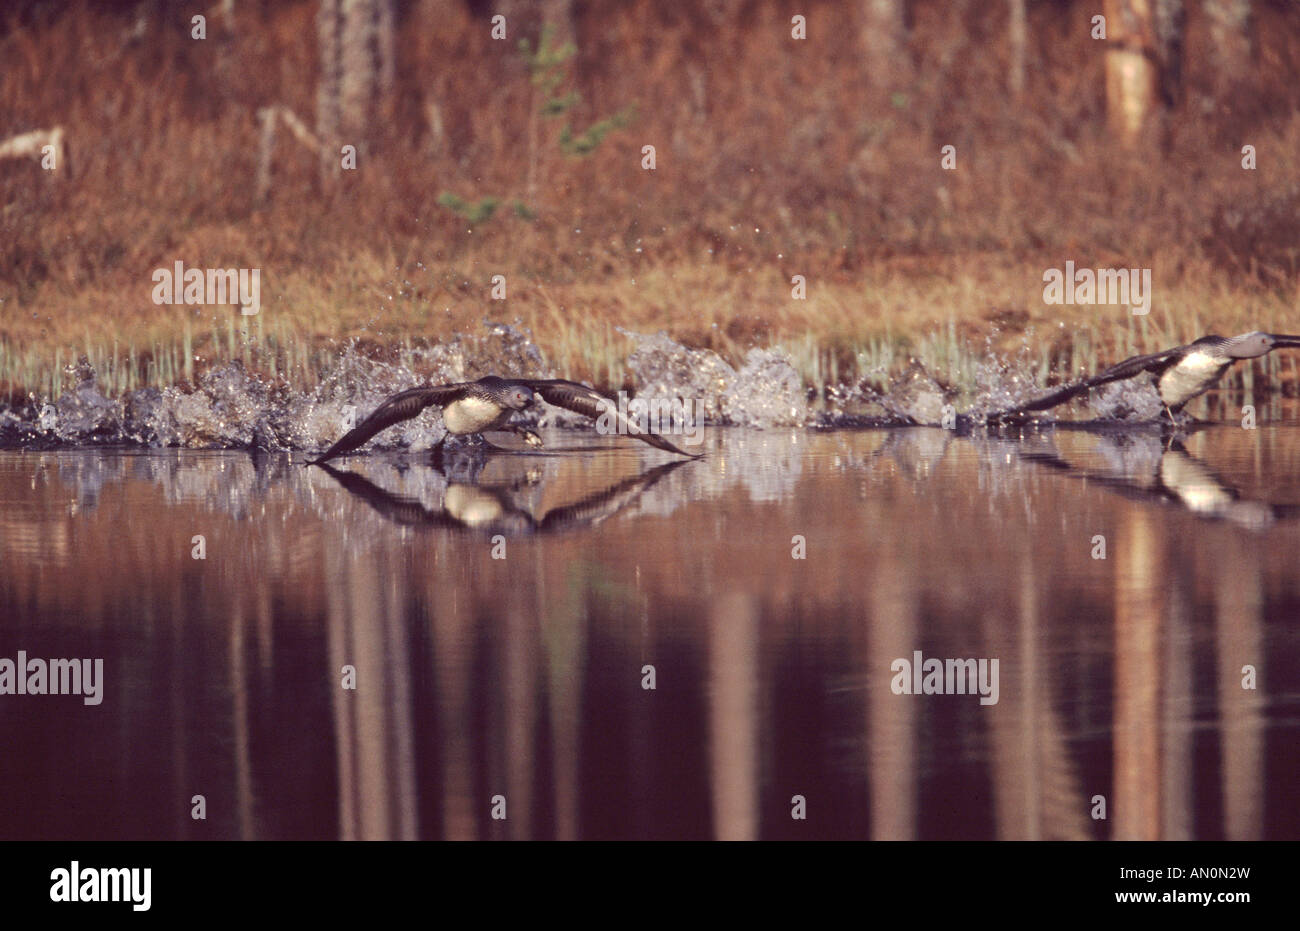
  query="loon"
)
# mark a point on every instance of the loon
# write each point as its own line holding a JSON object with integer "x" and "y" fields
{"x": 1180, "y": 374}
{"x": 472, "y": 407}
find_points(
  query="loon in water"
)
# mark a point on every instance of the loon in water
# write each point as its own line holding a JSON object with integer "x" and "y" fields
{"x": 470, "y": 408}
{"x": 1180, "y": 374}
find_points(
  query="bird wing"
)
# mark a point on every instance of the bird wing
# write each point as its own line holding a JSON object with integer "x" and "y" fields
{"x": 399, "y": 407}
{"x": 1154, "y": 362}
{"x": 591, "y": 403}
{"x": 1121, "y": 370}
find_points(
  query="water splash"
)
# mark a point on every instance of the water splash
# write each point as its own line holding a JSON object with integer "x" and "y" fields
{"x": 232, "y": 407}
{"x": 765, "y": 392}
{"x": 1133, "y": 400}
{"x": 918, "y": 397}
{"x": 83, "y": 414}
{"x": 229, "y": 408}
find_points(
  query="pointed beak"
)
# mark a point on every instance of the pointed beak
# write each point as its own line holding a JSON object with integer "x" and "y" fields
{"x": 1282, "y": 341}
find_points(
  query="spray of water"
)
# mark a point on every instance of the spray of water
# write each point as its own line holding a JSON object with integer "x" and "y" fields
{"x": 230, "y": 407}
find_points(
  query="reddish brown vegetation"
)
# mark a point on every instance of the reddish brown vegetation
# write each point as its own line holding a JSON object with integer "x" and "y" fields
{"x": 775, "y": 157}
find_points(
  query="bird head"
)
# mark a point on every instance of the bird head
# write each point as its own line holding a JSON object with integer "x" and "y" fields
{"x": 1251, "y": 345}
{"x": 519, "y": 397}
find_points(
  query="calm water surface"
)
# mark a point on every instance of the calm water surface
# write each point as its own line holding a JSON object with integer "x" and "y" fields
{"x": 502, "y": 619}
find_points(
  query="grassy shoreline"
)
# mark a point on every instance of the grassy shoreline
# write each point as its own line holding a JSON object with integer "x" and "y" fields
{"x": 946, "y": 313}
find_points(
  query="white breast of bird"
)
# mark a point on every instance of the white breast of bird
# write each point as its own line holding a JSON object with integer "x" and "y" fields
{"x": 470, "y": 415}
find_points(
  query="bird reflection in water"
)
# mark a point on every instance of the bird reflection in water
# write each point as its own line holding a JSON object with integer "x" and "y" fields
{"x": 1143, "y": 462}
{"x": 1159, "y": 469}
{"x": 468, "y": 504}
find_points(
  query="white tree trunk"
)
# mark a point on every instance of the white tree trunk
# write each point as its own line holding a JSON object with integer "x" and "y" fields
{"x": 328, "y": 29}
{"x": 358, "y": 77}
{"x": 1017, "y": 36}
{"x": 1131, "y": 75}
{"x": 884, "y": 42}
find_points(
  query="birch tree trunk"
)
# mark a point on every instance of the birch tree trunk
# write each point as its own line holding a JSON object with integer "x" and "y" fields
{"x": 884, "y": 43}
{"x": 1131, "y": 76}
{"x": 358, "y": 77}
{"x": 1017, "y": 36}
{"x": 356, "y": 40}
{"x": 329, "y": 26}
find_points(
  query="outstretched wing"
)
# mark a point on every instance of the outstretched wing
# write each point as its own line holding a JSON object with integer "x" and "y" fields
{"x": 591, "y": 403}
{"x": 1155, "y": 362}
{"x": 399, "y": 407}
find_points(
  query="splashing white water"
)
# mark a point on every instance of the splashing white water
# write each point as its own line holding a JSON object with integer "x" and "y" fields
{"x": 230, "y": 407}
{"x": 765, "y": 392}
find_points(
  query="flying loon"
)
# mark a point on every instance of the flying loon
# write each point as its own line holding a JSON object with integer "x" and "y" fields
{"x": 1180, "y": 374}
{"x": 472, "y": 407}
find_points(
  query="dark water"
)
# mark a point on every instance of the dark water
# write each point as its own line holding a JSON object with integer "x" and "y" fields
{"x": 483, "y": 681}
